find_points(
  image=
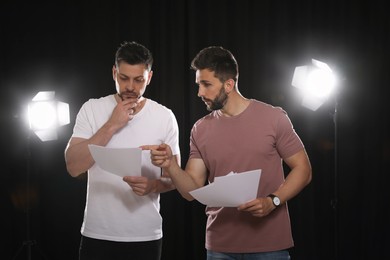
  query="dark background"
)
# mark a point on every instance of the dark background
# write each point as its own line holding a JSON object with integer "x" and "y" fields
{"x": 68, "y": 47}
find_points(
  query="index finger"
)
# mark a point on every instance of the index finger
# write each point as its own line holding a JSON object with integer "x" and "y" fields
{"x": 246, "y": 205}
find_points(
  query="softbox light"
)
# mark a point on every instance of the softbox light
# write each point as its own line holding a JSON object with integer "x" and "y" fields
{"x": 316, "y": 82}
{"x": 45, "y": 114}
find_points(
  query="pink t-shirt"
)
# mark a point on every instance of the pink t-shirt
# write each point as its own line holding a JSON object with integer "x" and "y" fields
{"x": 258, "y": 138}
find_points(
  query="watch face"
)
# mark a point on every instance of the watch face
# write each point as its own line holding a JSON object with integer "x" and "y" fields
{"x": 276, "y": 201}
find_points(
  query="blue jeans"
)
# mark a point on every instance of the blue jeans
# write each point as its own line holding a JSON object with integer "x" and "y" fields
{"x": 275, "y": 255}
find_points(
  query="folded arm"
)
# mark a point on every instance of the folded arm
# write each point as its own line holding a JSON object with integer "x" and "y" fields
{"x": 78, "y": 159}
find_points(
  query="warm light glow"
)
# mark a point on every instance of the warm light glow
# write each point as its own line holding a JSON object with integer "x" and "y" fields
{"x": 45, "y": 115}
{"x": 317, "y": 82}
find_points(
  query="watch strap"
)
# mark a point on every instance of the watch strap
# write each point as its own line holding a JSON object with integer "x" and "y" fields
{"x": 273, "y": 196}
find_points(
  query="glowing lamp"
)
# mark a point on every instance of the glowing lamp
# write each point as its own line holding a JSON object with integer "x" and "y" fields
{"x": 45, "y": 115}
{"x": 316, "y": 81}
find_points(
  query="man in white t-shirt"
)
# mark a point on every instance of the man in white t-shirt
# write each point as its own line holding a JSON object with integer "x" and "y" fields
{"x": 121, "y": 218}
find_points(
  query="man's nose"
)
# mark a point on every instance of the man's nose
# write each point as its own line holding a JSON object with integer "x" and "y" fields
{"x": 200, "y": 92}
{"x": 130, "y": 85}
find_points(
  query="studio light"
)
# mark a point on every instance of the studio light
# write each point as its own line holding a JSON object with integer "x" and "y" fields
{"x": 45, "y": 115}
{"x": 316, "y": 81}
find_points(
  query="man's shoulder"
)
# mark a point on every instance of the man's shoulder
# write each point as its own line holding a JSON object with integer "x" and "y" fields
{"x": 99, "y": 100}
{"x": 155, "y": 105}
{"x": 205, "y": 120}
{"x": 266, "y": 107}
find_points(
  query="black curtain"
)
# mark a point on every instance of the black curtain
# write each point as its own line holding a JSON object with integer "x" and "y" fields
{"x": 69, "y": 46}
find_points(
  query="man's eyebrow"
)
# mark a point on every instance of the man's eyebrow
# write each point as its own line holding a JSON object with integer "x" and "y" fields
{"x": 136, "y": 77}
{"x": 203, "y": 81}
{"x": 122, "y": 74}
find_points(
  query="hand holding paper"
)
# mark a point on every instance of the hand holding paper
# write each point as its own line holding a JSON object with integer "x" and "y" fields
{"x": 231, "y": 190}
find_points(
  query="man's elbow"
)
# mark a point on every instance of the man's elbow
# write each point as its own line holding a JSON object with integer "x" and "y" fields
{"x": 309, "y": 176}
{"x": 73, "y": 171}
{"x": 187, "y": 196}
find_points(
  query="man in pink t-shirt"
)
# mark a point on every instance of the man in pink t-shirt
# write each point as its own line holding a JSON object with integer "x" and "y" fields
{"x": 240, "y": 135}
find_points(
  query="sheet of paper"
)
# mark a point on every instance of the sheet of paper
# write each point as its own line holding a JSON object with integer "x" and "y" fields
{"x": 119, "y": 161}
{"x": 231, "y": 190}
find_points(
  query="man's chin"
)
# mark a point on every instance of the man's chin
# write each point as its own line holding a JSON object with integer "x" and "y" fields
{"x": 129, "y": 97}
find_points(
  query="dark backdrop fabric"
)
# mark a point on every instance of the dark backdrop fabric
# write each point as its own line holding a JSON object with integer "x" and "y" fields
{"x": 68, "y": 46}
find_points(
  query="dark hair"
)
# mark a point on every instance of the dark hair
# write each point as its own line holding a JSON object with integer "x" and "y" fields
{"x": 134, "y": 53}
{"x": 219, "y": 60}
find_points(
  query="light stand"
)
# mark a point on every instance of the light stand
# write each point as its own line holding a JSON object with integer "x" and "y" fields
{"x": 336, "y": 183}
{"x": 317, "y": 82}
{"x": 29, "y": 243}
{"x": 44, "y": 116}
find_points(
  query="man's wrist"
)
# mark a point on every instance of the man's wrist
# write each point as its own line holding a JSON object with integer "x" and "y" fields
{"x": 275, "y": 200}
{"x": 156, "y": 185}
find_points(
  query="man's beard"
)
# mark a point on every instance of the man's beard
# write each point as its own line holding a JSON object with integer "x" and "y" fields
{"x": 127, "y": 95}
{"x": 219, "y": 101}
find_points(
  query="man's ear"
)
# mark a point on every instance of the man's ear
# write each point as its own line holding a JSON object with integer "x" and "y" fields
{"x": 114, "y": 71}
{"x": 150, "y": 77}
{"x": 229, "y": 85}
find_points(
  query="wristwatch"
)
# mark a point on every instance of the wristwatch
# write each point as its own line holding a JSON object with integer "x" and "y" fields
{"x": 275, "y": 199}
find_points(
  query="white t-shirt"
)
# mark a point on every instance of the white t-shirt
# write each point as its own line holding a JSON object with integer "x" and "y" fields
{"x": 113, "y": 211}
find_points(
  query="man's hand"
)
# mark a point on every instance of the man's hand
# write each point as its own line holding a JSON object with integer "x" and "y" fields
{"x": 160, "y": 155}
{"x": 141, "y": 185}
{"x": 259, "y": 207}
{"x": 123, "y": 113}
